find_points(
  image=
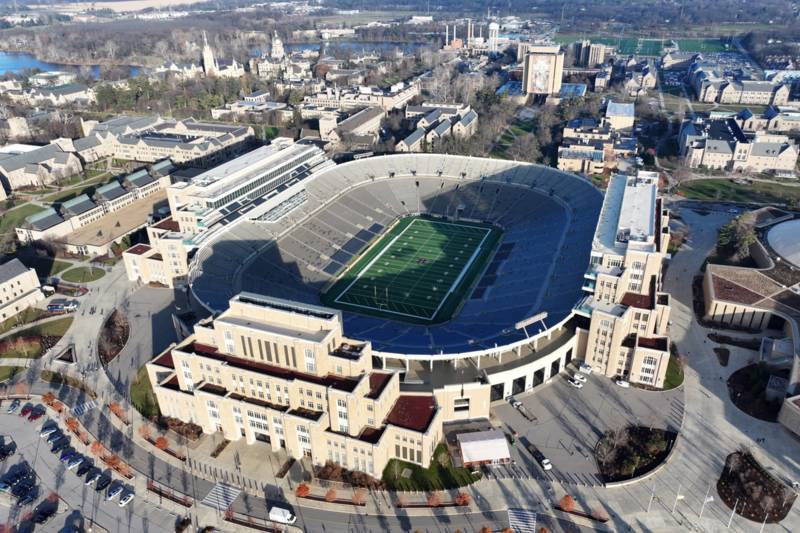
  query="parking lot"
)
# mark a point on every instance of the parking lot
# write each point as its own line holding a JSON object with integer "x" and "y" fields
{"x": 566, "y": 424}
{"x": 43, "y": 491}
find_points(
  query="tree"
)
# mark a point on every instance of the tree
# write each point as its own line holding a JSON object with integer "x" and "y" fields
{"x": 72, "y": 424}
{"x": 49, "y": 398}
{"x": 330, "y": 495}
{"x": 600, "y": 514}
{"x": 486, "y": 529}
{"x": 462, "y": 498}
{"x": 567, "y": 503}
{"x": 144, "y": 431}
{"x": 302, "y": 490}
{"x": 97, "y": 448}
{"x": 162, "y": 443}
{"x": 525, "y": 148}
{"x": 434, "y": 500}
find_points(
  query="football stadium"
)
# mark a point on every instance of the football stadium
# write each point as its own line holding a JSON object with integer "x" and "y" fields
{"x": 427, "y": 256}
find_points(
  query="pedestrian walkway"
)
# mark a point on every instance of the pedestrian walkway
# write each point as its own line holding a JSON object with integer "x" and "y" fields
{"x": 221, "y": 496}
{"x": 522, "y": 520}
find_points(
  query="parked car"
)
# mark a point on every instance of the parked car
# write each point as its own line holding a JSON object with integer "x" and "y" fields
{"x": 47, "y": 431}
{"x": 26, "y": 410}
{"x": 44, "y": 515}
{"x": 579, "y": 377}
{"x": 282, "y": 516}
{"x": 586, "y": 368}
{"x": 67, "y": 454}
{"x": 29, "y": 497}
{"x": 114, "y": 491}
{"x": 102, "y": 483}
{"x": 624, "y": 384}
{"x": 35, "y": 415}
{"x": 126, "y": 498}
{"x": 14, "y": 406}
{"x": 514, "y": 402}
{"x": 55, "y": 436}
{"x": 576, "y": 384}
{"x": 543, "y": 461}
{"x": 92, "y": 476}
{"x": 23, "y": 487}
{"x": 86, "y": 465}
{"x": 75, "y": 462}
{"x": 60, "y": 444}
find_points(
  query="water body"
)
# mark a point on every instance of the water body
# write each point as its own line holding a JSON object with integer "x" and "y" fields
{"x": 356, "y": 47}
{"x": 14, "y": 62}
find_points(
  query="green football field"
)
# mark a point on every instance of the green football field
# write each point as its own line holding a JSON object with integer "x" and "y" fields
{"x": 419, "y": 271}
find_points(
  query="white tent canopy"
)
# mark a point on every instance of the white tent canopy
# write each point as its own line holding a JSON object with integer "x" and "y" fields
{"x": 484, "y": 447}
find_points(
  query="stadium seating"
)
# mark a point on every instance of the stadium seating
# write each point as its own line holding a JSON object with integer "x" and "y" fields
{"x": 548, "y": 218}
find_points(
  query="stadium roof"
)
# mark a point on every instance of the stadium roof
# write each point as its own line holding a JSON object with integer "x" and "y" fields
{"x": 785, "y": 240}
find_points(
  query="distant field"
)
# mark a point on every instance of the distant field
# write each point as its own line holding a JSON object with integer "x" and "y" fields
{"x": 726, "y": 190}
{"x": 711, "y": 44}
{"x": 124, "y": 5}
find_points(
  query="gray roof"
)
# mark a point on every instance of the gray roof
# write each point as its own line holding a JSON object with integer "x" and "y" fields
{"x": 759, "y": 86}
{"x": 718, "y": 146}
{"x": 140, "y": 178}
{"x": 433, "y": 116}
{"x": 767, "y": 149}
{"x": 11, "y": 270}
{"x": 78, "y": 205}
{"x": 84, "y": 143}
{"x": 469, "y": 118}
{"x": 47, "y": 218}
{"x": 162, "y": 168}
{"x": 110, "y": 191}
{"x": 360, "y": 118}
{"x": 35, "y": 157}
{"x": 442, "y": 128}
{"x": 415, "y": 136}
{"x": 619, "y": 109}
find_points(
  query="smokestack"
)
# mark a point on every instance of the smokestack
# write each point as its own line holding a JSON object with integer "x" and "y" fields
{"x": 454, "y": 32}
{"x": 446, "y": 34}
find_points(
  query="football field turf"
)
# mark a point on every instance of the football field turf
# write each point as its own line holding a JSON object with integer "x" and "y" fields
{"x": 419, "y": 271}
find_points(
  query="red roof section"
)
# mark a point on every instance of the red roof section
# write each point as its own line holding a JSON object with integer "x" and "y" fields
{"x": 377, "y": 382}
{"x": 165, "y": 360}
{"x": 168, "y": 224}
{"x": 412, "y": 412}
{"x": 138, "y": 249}
{"x": 653, "y": 343}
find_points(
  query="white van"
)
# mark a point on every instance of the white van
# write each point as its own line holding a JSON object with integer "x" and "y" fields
{"x": 282, "y": 516}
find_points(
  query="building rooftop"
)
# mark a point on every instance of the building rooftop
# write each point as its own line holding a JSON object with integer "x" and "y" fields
{"x": 11, "y": 269}
{"x": 378, "y": 382}
{"x": 620, "y": 109}
{"x": 412, "y": 412}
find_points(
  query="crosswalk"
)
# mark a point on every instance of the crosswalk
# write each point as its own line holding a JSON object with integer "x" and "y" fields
{"x": 81, "y": 408}
{"x": 522, "y": 520}
{"x": 221, "y": 496}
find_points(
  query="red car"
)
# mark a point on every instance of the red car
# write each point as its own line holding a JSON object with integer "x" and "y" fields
{"x": 35, "y": 415}
{"x": 26, "y": 410}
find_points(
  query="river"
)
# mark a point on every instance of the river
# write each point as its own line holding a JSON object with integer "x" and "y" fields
{"x": 13, "y": 62}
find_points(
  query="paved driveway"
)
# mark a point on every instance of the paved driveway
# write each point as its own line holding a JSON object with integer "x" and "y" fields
{"x": 568, "y": 423}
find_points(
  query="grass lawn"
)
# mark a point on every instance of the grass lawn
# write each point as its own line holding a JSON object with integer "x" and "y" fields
{"x": 721, "y": 189}
{"x": 32, "y": 342}
{"x": 674, "y": 377}
{"x": 83, "y": 274}
{"x": 28, "y": 315}
{"x": 45, "y": 266}
{"x": 8, "y": 372}
{"x": 441, "y": 474}
{"x": 142, "y": 396}
{"x": 14, "y": 217}
{"x": 55, "y": 328}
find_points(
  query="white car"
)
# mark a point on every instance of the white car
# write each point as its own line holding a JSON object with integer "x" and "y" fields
{"x": 126, "y": 498}
{"x": 576, "y": 384}
{"x": 514, "y": 402}
{"x": 579, "y": 377}
{"x": 624, "y": 384}
{"x": 585, "y": 368}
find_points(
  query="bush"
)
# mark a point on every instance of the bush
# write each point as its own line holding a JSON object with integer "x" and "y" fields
{"x": 302, "y": 490}
{"x": 567, "y": 503}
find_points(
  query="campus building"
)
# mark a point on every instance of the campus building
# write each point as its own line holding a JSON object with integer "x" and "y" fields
{"x": 723, "y": 144}
{"x": 91, "y": 225}
{"x": 354, "y": 98}
{"x": 628, "y": 312}
{"x": 592, "y": 147}
{"x": 19, "y": 288}
{"x": 542, "y": 70}
{"x": 282, "y": 373}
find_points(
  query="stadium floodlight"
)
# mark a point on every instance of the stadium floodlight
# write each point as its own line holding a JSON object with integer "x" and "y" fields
{"x": 522, "y": 324}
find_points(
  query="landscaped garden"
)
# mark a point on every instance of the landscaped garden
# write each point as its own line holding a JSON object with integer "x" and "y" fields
{"x": 113, "y": 336}
{"x": 722, "y": 189}
{"x": 441, "y": 474}
{"x": 633, "y": 451}
{"x": 33, "y": 342}
{"x": 748, "y": 389}
{"x": 142, "y": 396}
{"x": 20, "y": 319}
{"x": 751, "y": 491}
{"x": 83, "y": 274}
{"x": 674, "y": 376}
{"x": 8, "y": 372}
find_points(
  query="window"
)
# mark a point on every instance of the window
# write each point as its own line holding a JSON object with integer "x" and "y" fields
{"x": 311, "y": 363}
{"x": 461, "y": 405}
